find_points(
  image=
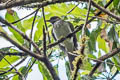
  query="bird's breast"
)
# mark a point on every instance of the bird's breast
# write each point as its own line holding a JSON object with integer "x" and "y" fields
{"x": 61, "y": 29}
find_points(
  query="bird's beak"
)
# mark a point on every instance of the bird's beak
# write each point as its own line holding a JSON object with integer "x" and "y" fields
{"x": 47, "y": 20}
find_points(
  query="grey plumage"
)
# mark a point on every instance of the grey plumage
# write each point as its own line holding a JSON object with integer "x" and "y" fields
{"x": 61, "y": 29}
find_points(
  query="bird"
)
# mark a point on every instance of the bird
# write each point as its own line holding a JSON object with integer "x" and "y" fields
{"x": 61, "y": 29}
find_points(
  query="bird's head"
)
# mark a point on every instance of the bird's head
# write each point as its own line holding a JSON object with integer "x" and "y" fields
{"x": 53, "y": 19}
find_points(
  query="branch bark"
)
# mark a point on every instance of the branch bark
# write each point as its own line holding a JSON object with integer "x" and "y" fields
{"x": 106, "y": 11}
{"x": 102, "y": 58}
{"x": 15, "y": 3}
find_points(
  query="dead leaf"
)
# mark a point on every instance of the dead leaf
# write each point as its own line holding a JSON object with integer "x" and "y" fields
{"x": 10, "y": 11}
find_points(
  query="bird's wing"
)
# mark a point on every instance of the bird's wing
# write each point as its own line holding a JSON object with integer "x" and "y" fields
{"x": 53, "y": 35}
{"x": 74, "y": 36}
{"x": 61, "y": 47}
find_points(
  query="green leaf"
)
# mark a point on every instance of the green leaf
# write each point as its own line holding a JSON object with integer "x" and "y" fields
{"x": 23, "y": 70}
{"x": 44, "y": 71}
{"x": 102, "y": 44}
{"x": 17, "y": 35}
{"x": 113, "y": 70}
{"x": 16, "y": 77}
{"x": 99, "y": 54}
{"x": 11, "y": 59}
{"x": 116, "y": 2}
{"x": 11, "y": 18}
{"x": 91, "y": 56}
{"x": 14, "y": 17}
{"x": 87, "y": 65}
{"x": 57, "y": 9}
{"x": 27, "y": 24}
{"x": 4, "y": 50}
{"x": 3, "y": 77}
{"x": 93, "y": 36}
{"x": 67, "y": 69}
{"x": 38, "y": 33}
{"x": 92, "y": 41}
{"x": 112, "y": 34}
{"x": 116, "y": 60}
{"x": 6, "y": 69}
{"x": 85, "y": 72}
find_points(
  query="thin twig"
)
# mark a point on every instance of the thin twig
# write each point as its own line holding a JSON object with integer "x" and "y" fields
{"x": 106, "y": 20}
{"x": 28, "y": 69}
{"x": 86, "y": 20}
{"x": 33, "y": 26}
{"x": 22, "y": 18}
{"x": 14, "y": 53}
{"x": 73, "y": 8}
{"x": 96, "y": 60}
{"x": 30, "y": 43}
{"x": 43, "y": 12}
{"x": 44, "y": 42}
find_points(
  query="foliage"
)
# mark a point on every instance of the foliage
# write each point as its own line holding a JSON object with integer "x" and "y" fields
{"x": 102, "y": 35}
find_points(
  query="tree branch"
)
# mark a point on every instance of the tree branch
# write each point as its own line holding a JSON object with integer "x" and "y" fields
{"x": 25, "y": 2}
{"x": 102, "y": 58}
{"x": 44, "y": 42}
{"x": 37, "y": 56}
{"x": 50, "y": 68}
{"x": 106, "y": 11}
{"x": 14, "y": 53}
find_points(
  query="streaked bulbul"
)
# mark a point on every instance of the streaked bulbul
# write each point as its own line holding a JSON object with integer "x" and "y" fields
{"x": 61, "y": 29}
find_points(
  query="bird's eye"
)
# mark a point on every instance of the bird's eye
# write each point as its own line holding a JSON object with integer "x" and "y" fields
{"x": 53, "y": 18}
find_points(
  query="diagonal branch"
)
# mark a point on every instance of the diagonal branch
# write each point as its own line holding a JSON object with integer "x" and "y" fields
{"x": 23, "y": 17}
{"x": 106, "y": 11}
{"x": 37, "y": 56}
{"x": 21, "y": 33}
{"x": 97, "y": 14}
{"x": 104, "y": 57}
